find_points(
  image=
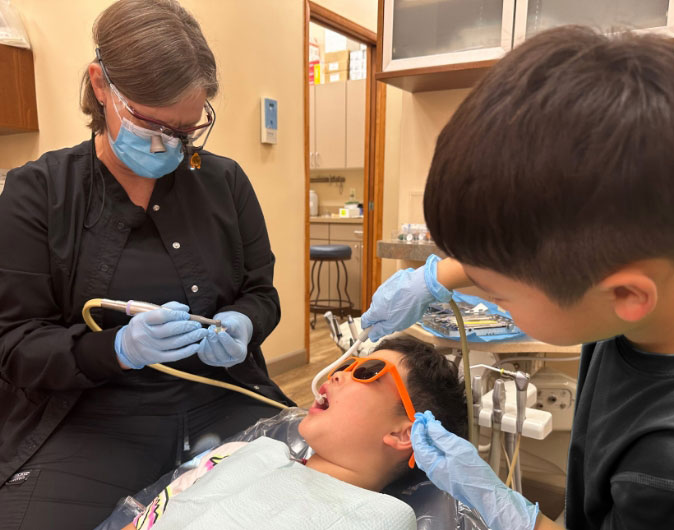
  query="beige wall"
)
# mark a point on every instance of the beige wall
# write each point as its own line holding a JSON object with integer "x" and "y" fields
{"x": 258, "y": 47}
{"x": 413, "y": 122}
{"x": 423, "y": 116}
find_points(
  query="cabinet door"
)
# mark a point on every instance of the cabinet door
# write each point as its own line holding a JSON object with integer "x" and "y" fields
{"x": 353, "y": 269}
{"x": 441, "y": 32}
{"x": 533, "y": 16}
{"x": 312, "y": 125}
{"x": 355, "y": 123}
{"x": 330, "y": 122}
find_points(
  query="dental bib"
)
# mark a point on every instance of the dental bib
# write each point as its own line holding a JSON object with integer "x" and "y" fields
{"x": 260, "y": 486}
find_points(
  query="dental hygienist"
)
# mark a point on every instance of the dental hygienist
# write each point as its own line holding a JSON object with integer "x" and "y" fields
{"x": 138, "y": 212}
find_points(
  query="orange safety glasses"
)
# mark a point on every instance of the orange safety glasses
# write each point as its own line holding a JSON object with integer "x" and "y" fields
{"x": 369, "y": 369}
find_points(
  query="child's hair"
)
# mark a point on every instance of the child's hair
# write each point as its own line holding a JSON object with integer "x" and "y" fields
{"x": 432, "y": 382}
{"x": 558, "y": 168}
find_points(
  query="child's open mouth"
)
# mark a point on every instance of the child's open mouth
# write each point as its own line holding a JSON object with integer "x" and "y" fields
{"x": 326, "y": 402}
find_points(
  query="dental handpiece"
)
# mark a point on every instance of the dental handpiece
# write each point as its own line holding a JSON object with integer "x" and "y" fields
{"x": 133, "y": 307}
{"x": 499, "y": 399}
{"x": 328, "y": 318}
{"x": 521, "y": 383}
{"x": 352, "y": 327}
{"x": 348, "y": 353}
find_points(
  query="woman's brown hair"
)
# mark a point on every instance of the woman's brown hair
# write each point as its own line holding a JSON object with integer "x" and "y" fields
{"x": 154, "y": 52}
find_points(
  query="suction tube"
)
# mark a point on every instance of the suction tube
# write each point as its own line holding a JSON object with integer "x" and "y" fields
{"x": 354, "y": 348}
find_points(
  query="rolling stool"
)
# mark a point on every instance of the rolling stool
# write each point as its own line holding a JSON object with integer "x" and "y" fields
{"x": 320, "y": 254}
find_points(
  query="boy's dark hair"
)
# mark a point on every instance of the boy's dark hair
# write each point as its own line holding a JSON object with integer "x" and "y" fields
{"x": 432, "y": 382}
{"x": 557, "y": 169}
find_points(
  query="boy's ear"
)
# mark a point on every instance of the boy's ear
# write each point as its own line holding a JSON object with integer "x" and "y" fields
{"x": 401, "y": 437}
{"x": 634, "y": 294}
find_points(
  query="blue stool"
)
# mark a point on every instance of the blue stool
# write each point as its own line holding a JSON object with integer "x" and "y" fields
{"x": 320, "y": 254}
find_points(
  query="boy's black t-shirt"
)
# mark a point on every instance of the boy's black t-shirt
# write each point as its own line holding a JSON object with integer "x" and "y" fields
{"x": 621, "y": 457}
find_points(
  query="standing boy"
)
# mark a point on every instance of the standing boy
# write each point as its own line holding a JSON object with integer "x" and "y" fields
{"x": 552, "y": 188}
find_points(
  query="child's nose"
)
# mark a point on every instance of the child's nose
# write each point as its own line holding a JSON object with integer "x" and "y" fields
{"x": 338, "y": 377}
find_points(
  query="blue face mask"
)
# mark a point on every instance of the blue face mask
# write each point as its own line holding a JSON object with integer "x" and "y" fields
{"x": 132, "y": 147}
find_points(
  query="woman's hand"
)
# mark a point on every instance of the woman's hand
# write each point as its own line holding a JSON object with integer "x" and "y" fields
{"x": 158, "y": 336}
{"x": 229, "y": 347}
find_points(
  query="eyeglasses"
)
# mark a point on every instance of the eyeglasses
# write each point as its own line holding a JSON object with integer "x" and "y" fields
{"x": 187, "y": 135}
{"x": 369, "y": 369}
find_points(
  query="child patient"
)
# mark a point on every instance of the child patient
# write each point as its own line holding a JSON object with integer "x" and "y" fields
{"x": 360, "y": 438}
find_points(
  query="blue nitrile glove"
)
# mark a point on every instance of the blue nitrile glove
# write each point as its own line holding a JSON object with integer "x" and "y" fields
{"x": 454, "y": 466}
{"x": 402, "y": 299}
{"x": 158, "y": 336}
{"x": 228, "y": 347}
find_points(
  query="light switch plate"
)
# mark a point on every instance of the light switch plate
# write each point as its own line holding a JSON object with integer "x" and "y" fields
{"x": 268, "y": 120}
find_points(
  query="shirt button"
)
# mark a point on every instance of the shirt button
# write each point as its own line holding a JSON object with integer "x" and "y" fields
{"x": 176, "y": 245}
{"x": 256, "y": 387}
{"x": 104, "y": 268}
{"x": 195, "y": 288}
{"x": 121, "y": 226}
{"x": 155, "y": 208}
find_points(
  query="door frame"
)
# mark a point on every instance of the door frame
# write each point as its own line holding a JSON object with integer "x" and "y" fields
{"x": 373, "y": 170}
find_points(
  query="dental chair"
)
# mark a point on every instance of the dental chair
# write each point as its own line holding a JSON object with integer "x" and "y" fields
{"x": 434, "y": 509}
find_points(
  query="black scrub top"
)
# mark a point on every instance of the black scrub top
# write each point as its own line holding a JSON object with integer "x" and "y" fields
{"x": 621, "y": 456}
{"x": 202, "y": 241}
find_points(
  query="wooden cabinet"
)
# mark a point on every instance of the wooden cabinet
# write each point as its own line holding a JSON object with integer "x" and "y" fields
{"x": 330, "y": 126}
{"x": 445, "y": 44}
{"x": 340, "y": 234}
{"x": 355, "y": 123}
{"x": 337, "y": 125}
{"x": 18, "y": 106}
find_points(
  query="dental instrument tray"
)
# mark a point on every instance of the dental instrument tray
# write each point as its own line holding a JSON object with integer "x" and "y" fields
{"x": 483, "y": 320}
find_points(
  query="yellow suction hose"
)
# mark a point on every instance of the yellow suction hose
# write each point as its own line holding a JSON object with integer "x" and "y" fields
{"x": 96, "y": 302}
{"x": 469, "y": 392}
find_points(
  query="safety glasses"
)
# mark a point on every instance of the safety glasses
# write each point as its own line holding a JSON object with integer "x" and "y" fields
{"x": 369, "y": 369}
{"x": 187, "y": 135}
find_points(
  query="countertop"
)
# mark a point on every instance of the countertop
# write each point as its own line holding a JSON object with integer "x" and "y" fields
{"x": 407, "y": 251}
{"x": 338, "y": 220}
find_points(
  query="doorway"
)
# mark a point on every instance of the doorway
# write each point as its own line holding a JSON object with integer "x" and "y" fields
{"x": 340, "y": 105}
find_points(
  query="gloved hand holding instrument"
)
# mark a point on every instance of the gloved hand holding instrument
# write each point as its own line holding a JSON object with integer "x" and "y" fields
{"x": 229, "y": 346}
{"x": 165, "y": 334}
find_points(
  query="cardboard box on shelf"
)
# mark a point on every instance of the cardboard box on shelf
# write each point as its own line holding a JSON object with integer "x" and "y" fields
{"x": 334, "y": 77}
{"x": 335, "y": 66}
{"x": 355, "y": 74}
{"x": 331, "y": 57}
